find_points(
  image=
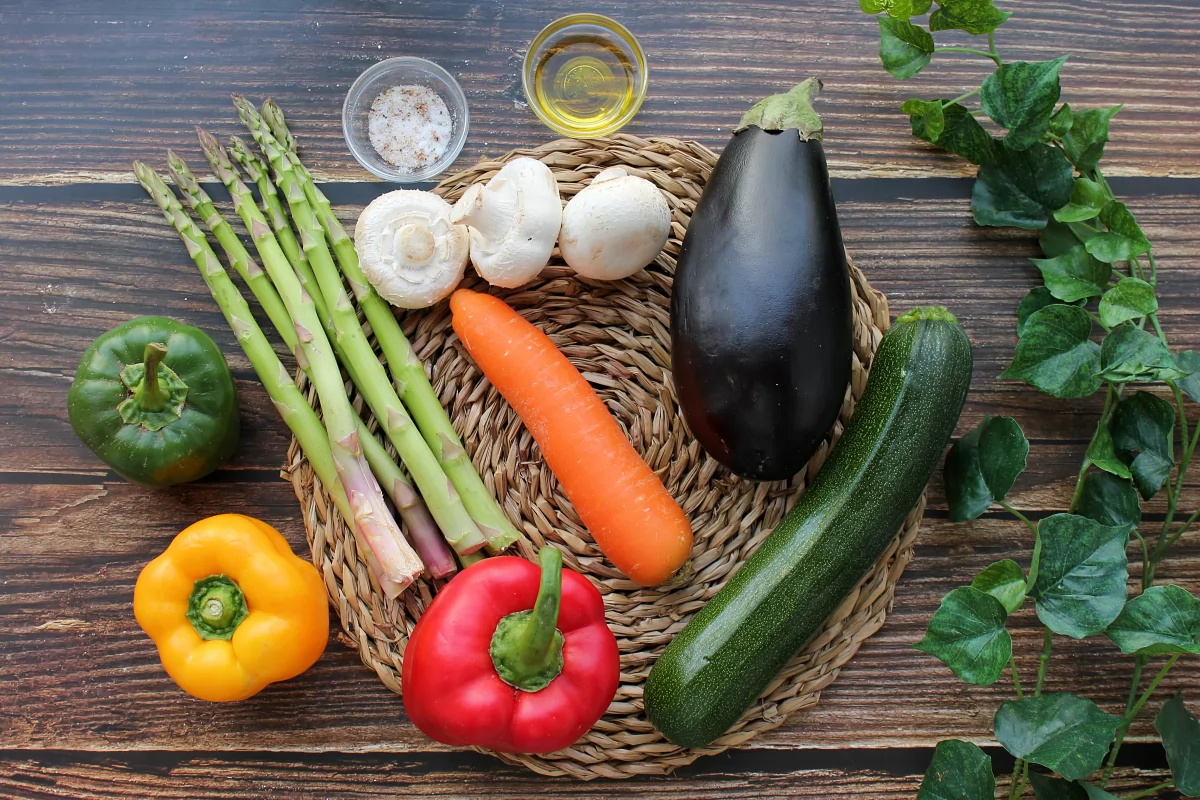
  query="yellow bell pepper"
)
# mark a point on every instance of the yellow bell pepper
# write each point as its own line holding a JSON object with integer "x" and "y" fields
{"x": 232, "y": 608}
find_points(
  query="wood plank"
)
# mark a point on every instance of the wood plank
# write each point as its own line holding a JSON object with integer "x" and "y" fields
{"x": 74, "y": 268}
{"x": 87, "y": 92}
{"x": 846, "y": 774}
{"x": 87, "y": 678}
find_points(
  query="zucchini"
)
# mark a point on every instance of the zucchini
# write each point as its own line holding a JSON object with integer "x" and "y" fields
{"x": 730, "y": 652}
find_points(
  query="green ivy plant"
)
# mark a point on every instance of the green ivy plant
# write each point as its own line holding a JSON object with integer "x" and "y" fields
{"x": 1092, "y": 327}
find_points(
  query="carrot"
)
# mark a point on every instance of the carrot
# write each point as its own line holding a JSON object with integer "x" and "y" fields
{"x": 624, "y": 505}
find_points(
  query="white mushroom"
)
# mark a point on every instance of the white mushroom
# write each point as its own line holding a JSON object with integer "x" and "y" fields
{"x": 616, "y": 225}
{"x": 513, "y": 220}
{"x": 409, "y": 249}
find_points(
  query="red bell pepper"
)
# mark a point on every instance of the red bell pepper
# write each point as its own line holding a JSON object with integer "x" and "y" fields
{"x": 512, "y": 658}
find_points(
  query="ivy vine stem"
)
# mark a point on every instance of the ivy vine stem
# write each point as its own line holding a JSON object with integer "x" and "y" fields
{"x": 970, "y": 51}
{"x": 1139, "y": 663}
{"x": 1187, "y": 524}
{"x": 1174, "y": 491}
{"x": 1028, "y": 522}
{"x": 1110, "y": 398}
{"x": 1020, "y": 772}
{"x": 960, "y": 98}
{"x": 1151, "y": 791}
{"x": 1043, "y": 660}
{"x": 1131, "y": 714}
{"x": 1021, "y": 768}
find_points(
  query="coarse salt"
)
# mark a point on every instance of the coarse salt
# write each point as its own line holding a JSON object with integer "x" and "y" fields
{"x": 410, "y": 127}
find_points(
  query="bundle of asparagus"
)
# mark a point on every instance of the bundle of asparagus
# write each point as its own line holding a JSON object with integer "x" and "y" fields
{"x": 304, "y": 297}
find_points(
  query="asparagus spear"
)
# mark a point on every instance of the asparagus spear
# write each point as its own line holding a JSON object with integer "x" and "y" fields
{"x": 259, "y": 172}
{"x": 439, "y": 494}
{"x": 414, "y": 387}
{"x": 421, "y": 528}
{"x": 295, "y": 410}
{"x": 400, "y": 566}
{"x": 241, "y": 260}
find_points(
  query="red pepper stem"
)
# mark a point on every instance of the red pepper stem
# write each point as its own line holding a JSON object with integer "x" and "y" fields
{"x": 543, "y": 623}
{"x": 150, "y": 395}
{"x": 527, "y": 647}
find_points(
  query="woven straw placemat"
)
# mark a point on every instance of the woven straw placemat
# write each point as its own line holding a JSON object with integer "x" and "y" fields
{"x": 617, "y": 334}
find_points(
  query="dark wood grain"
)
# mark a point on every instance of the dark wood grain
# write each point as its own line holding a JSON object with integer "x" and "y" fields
{"x": 90, "y": 88}
{"x": 934, "y": 256}
{"x": 192, "y": 776}
{"x": 919, "y": 252}
{"x": 87, "y": 710}
{"x": 89, "y": 679}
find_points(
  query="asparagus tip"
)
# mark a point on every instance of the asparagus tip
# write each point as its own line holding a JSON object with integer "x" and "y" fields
{"x": 207, "y": 140}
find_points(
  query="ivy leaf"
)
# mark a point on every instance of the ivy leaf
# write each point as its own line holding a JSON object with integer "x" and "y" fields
{"x": 1021, "y": 188}
{"x": 1080, "y": 583}
{"x": 1060, "y": 123}
{"x": 967, "y": 634}
{"x": 1055, "y": 354}
{"x": 1048, "y": 788}
{"x": 905, "y": 49}
{"x": 1130, "y": 299}
{"x": 1103, "y": 453}
{"x": 1163, "y": 620}
{"x": 1124, "y": 238}
{"x": 1132, "y": 354}
{"x": 952, "y": 128}
{"x": 1180, "y": 732}
{"x": 983, "y": 465}
{"x": 1143, "y": 428}
{"x": 1060, "y": 731}
{"x": 1062, "y": 237}
{"x": 1021, "y": 96}
{"x": 964, "y": 136}
{"x": 1005, "y": 581}
{"x": 1110, "y": 500}
{"x": 1087, "y": 200}
{"x": 959, "y": 771}
{"x": 899, "y": 9}
{"x": 1189, "y": 361}
{"x": 1037, "y": 299}
{"x": 1075, "y": 275}
{"x": 925, "y": 117}
{"x": 1084, "y": 143}
{"x": 976, "y": 17}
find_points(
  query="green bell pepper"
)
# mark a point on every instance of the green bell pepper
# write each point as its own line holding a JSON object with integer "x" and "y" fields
{"x": 176, "y": 427}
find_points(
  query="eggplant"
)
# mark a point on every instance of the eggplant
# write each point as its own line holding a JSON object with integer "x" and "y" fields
{"x": 761, "y": 309}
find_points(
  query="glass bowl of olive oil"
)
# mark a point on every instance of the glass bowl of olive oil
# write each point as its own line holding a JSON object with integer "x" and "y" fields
{"x": 585, "y": 76}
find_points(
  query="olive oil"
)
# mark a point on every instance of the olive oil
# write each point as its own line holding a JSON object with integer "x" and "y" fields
{"x": 585, "y": 84}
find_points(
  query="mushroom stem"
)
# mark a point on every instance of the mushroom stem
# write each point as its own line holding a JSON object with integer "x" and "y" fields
{"x": 416, "y": 242}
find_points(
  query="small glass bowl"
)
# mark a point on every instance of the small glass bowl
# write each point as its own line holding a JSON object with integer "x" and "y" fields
{"x": 403, "y": 71}
{"x": 591, "y": 26}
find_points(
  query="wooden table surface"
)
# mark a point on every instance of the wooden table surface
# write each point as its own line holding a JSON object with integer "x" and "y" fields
{"x": 87, "y": 711}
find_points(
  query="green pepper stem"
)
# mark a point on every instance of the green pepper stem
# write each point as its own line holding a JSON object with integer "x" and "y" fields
{"x": 150, "y": 395}
{"x": 527, "y": 646}
{"x": 216, "y": 607}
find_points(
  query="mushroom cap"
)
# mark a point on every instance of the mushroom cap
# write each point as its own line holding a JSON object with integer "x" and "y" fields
{"x": 616, "y": 225}
{"x": 408, "y": 248}
{"x": 513, "y": 220}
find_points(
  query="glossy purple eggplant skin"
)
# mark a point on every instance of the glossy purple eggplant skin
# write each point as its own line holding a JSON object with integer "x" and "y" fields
{"x": 761, "y": 309}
